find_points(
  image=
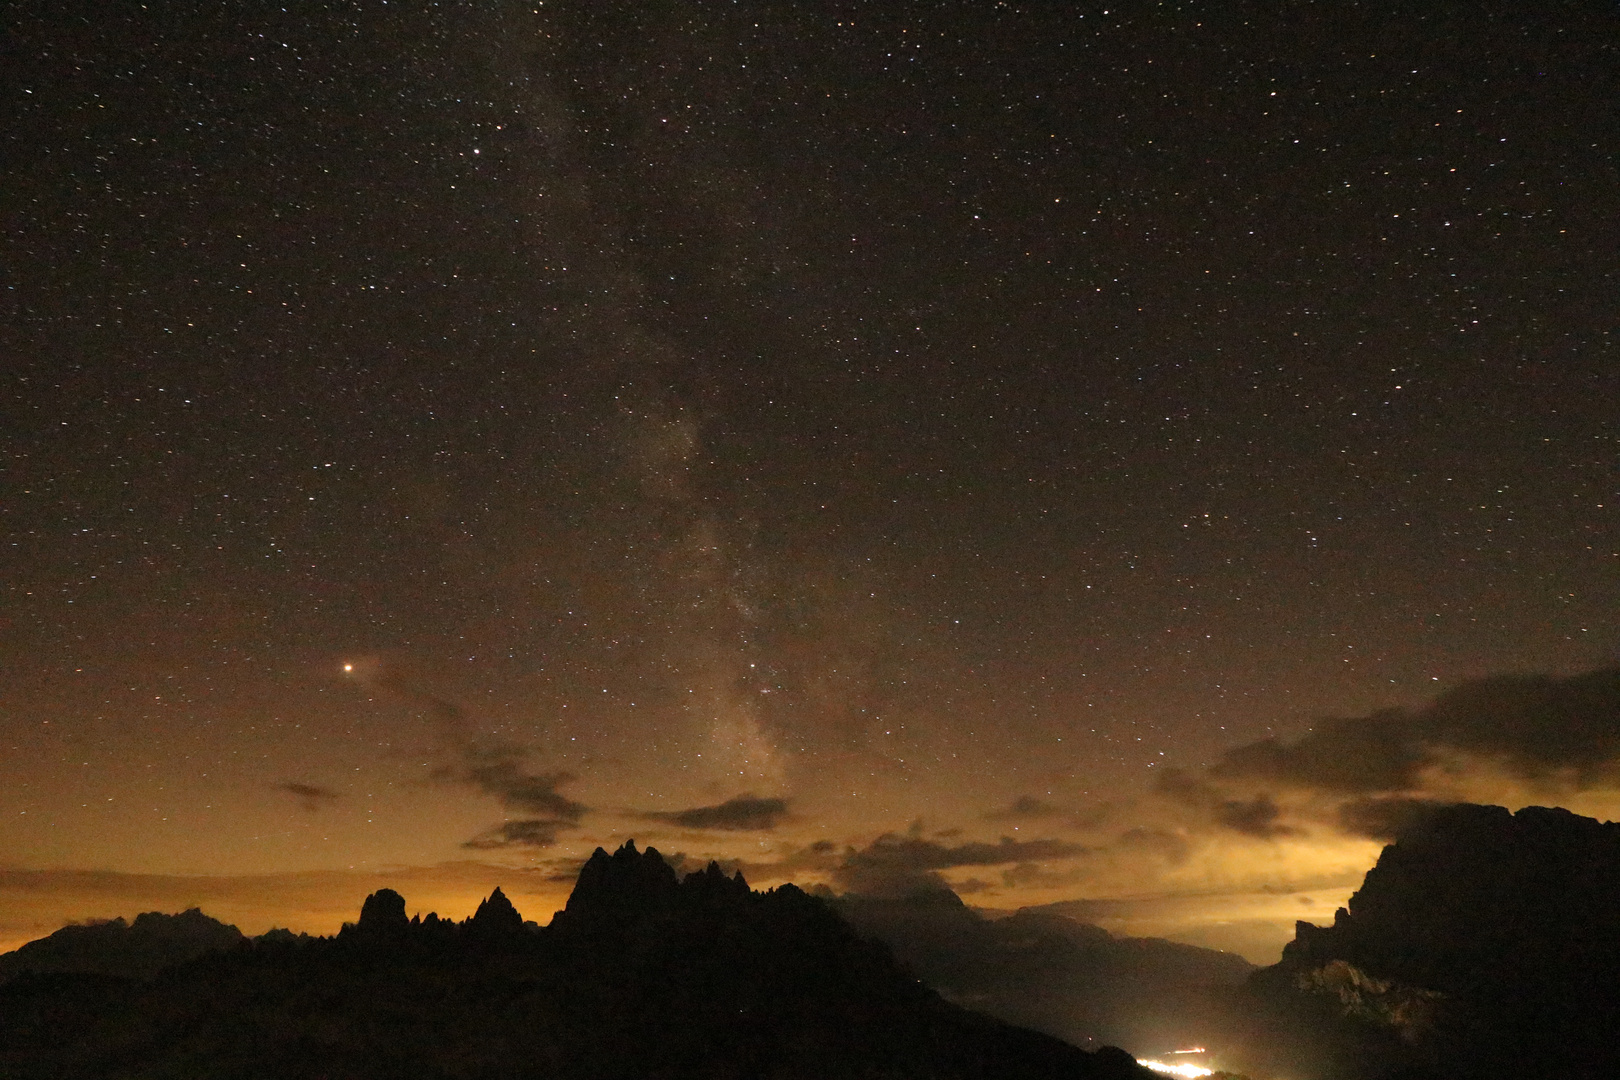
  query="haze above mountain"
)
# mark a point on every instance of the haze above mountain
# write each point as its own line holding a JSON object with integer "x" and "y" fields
{"x": 1053, "y": 973}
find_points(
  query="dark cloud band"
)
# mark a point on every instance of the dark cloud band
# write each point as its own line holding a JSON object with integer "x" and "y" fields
{"x": 1535, "y": 726}
{"x": 745, "y": 813}
{"x": 311, "y": 796}
{"x": 901, "y": 865}
{"x": 1562, "y": 734}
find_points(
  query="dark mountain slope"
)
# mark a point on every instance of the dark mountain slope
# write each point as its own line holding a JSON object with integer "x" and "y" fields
{"x": 1482, "y": 944}
{"x": 642, "y": 976}
{"x": 137, "y": 950}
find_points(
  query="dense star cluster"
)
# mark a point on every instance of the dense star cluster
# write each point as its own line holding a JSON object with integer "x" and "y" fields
{"x": 881, "y": 445}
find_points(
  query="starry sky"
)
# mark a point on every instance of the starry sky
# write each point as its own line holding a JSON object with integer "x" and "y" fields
{"x": 877, "y": 445}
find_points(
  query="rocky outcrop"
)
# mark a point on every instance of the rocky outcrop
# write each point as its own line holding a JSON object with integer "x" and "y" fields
{"x": 496, "y": 916}
{"x": 1474, "y": 900}
{"x": 384, "y": 913}
{"x": 1482, "y": 943}
{"x": 625, "y": 884}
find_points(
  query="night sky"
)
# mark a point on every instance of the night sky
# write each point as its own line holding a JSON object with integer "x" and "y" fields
{"x": 872, "y": 444}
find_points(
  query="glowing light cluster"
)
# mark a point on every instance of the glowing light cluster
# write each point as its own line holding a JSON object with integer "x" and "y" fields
{"x": 1185, "y": 1068}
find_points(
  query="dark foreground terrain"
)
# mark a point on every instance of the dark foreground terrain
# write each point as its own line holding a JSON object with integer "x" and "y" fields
{"x": 643, "y": 976}
{"x": 1483, "y": 945}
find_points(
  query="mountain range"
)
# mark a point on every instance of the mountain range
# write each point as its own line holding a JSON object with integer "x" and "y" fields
{"x": 641, "y": 975}
{"x": 1482, "y": 944}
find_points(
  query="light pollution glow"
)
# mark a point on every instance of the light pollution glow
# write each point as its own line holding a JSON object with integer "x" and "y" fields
{"x": 1177, "y": 1069}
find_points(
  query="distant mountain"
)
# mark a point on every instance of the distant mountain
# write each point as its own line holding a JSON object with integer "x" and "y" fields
{"x": 137, "y": 950}
{"x": 1055, "y": 974}
{"x": 641, "y": 976}
{"x": 1482, "y": 944}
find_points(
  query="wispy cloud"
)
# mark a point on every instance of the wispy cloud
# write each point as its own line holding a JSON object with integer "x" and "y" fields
{"x": 1534, "y": 727}
{"x": 1496, "y": 739}
{"x": 310, "y": 796}
{"x": 894, "y": 864}
{"x": 1024, "y": 807}
{"x": 528, "y": 833}
{"x": 501, "y": 770}
{"x": 745, "y": 813}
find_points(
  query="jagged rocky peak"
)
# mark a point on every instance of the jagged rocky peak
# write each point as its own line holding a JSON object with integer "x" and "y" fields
{"x": 497, "y": 915}
{"x": 1471, "y": 886}
{"x": 626, "y": 882}
{"x": 383, "y": 911}
{"x": 712, "y": 881}
{"x": 630, "y": 884}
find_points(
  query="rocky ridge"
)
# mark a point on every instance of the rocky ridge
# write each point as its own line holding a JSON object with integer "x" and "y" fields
{"x": 642, "y": 975}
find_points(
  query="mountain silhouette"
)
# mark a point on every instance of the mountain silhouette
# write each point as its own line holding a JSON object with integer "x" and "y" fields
{"x": 495, "y": 916}
{"x": 137, "y": 950}
{"x": 384, "y": 913}
{"x": 642, "y": 975}
{"x": 1483, "y": 943}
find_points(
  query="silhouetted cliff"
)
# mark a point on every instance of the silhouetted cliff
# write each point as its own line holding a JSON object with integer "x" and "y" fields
{"x": 1482, "y": 944}
{"x": 641, "y": 976}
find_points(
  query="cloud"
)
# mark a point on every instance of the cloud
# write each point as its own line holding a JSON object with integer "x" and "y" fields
{"x": 310, "y": 796}
{"x": 1027, "y": 875}
{"x": 394, "y": 680}
{"x": 1025, "y": 806}
{"x": 743, "y": 813}
{"x": 1565, "y": 731}
{"x": 531, "y": 833}
{"x": 1256, "y": 817}
{"x": 1385, "y": 819}
{"x": 499, "y": 771}
{"x": 894, "y": 865}
{"x": 1187, "y": 788}
{"x": 1381, "y": 752}
{"x": 1173, "y": 848}
{"x": 1496, "y": 739}
{"x": 1254, "y": 922}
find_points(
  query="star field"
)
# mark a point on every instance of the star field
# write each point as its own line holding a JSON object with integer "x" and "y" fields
{"x": 463, "y": 434}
